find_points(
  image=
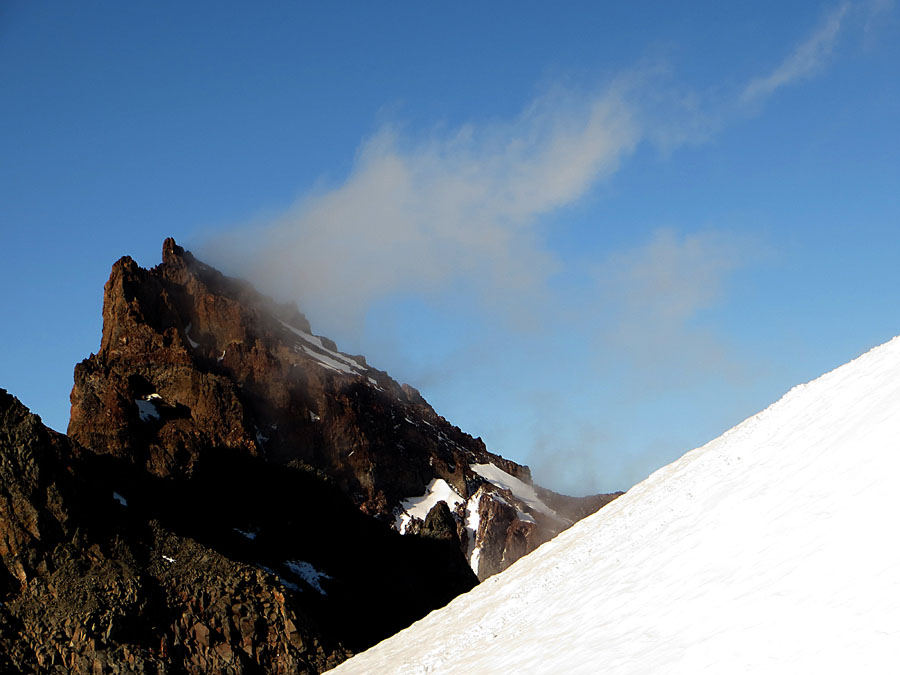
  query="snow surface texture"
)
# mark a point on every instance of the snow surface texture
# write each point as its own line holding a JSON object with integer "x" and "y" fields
{"x": 769, "y": 550}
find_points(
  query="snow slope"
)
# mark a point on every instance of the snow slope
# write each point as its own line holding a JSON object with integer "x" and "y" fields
{"x": 772, "y": 549}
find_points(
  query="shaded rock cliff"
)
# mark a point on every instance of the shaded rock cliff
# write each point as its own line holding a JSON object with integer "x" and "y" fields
{"x": 243, "y": 567}
{"x": 90, "y": 586}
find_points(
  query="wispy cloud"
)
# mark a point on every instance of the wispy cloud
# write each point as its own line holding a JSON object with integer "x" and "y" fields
{"x": 656, "y": 295}
{"x": 463, "y": 212}
{"x": 563, "y": 455}
{"x": 876, "y": 20}
{"x": 804, "y": 61}
{"x": 464, "y": 208}
{"x": 459, "y": 208}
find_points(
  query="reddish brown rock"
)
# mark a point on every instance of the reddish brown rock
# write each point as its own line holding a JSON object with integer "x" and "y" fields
{"x": 227, "y": 499}
{"x": 92, "y": 589}
{"x": 191, "y": 360}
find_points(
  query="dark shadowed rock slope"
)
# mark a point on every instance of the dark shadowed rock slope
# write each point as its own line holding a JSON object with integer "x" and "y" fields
{"x": 161, "y": 581}
{"x": 236, "y": 495}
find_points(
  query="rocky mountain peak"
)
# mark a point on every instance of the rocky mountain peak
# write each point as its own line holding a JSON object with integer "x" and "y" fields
{"x": 192, "y": 361}
{"x": 172, "y": 253}
{"x": 235, "y": 494}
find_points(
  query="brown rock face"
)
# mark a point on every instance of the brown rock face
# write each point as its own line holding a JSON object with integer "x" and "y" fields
{"x": 228, "y": 496}
{"x": 92, "y": 589}
{"x": 191, "y": 359}
{"x": 33, "y": 513}
{"x": 241, "y": 567}
{"x": 193, "y": 362}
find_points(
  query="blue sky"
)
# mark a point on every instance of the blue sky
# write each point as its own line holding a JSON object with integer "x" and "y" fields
{"x": 596, "y": 235}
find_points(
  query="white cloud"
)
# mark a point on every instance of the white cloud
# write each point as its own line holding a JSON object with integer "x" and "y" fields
{"x": 564, "y": 456}
{"x": 459, "y": 208}
{"x": 806, "y": 59}
{"x": 656, "y": 295}
{"x": 462, "y": 213}
{"x": 463, "y": 208}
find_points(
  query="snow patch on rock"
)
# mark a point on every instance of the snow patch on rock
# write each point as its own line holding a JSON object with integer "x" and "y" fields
{"x": 325, "y": 356}
{"x": 147, "y": 409}
{"x": 187, "y": 334}
{"x": 520, "y": 489}
{"x": 308, "y": 573}
{"x": 473, "y": 520}
{"x": 438, "y": 490}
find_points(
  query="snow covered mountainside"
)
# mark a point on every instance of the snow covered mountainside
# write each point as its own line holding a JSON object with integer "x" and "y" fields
{"x": 768, "y": 550}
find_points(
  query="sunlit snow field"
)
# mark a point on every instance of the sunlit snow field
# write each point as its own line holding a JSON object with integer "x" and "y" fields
{"x": 771, "y": 549}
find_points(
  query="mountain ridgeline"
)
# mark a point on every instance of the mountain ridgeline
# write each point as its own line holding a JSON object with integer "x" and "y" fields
{"x": 237, "y": 495}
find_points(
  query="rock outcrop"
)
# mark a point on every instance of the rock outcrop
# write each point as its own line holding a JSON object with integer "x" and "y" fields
{"x": 92, "y": 587}
{"x": 108, "y": 568}
{"x": 192, "y": 361}
{"x": 236, "y": 495}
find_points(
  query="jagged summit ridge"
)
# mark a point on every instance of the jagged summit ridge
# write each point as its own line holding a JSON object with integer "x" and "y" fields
{"x": 191, "y": 360}
{"x": 763, "y": 551}
{"x": 231, "y": 494}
